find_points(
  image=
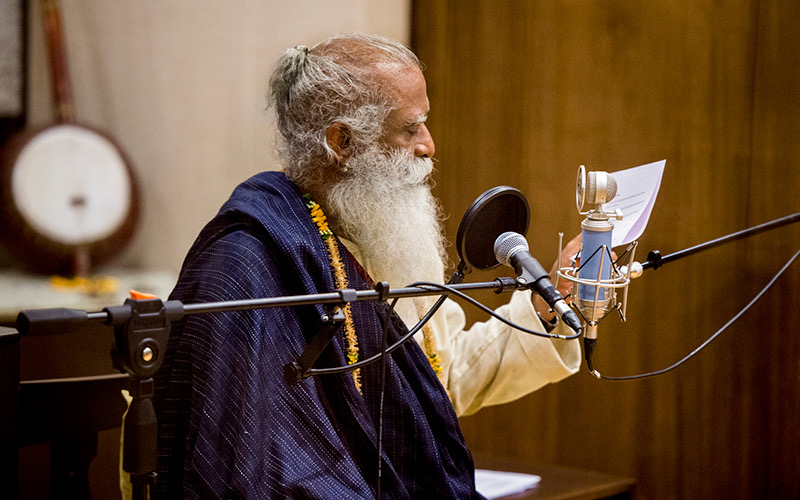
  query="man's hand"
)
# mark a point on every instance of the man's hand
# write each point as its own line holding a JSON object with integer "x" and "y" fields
{"x": 564, "y": 286}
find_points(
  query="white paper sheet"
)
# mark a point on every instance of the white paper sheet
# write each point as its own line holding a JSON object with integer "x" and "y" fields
{"x": 496, "y": 484}
{"x": 637, "y": 189}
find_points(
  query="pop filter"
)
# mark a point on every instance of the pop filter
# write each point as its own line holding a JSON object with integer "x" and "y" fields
{"x": 493, "y": 213}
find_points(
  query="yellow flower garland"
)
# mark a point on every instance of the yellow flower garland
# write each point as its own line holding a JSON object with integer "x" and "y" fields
{"x": 340, "y": 279}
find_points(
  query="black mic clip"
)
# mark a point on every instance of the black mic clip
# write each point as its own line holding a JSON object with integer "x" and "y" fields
{"x": 330, "y": 322}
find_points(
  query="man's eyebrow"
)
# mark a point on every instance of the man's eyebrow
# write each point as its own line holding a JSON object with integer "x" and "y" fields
{"x": 416, "y": 121}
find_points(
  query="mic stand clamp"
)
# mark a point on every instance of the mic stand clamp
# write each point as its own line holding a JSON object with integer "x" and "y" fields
{"x": 504, "y": 283}
{"x": 332, "y": 320}
{"x": 654, "y": 258}
{"x": 141, "y": 330}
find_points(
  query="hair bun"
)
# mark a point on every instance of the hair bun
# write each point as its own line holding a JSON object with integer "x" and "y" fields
{"x": 300, "y": 54}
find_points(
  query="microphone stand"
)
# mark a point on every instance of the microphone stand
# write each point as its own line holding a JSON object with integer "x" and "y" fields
{"x": 141, "y": 331}
{"x": 655, "y": 260}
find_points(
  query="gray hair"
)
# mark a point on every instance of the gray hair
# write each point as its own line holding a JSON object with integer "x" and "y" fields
{"x": 338, "y": 80}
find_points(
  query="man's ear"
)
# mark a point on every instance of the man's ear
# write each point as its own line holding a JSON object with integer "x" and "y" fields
{"x": 338, "y": 138}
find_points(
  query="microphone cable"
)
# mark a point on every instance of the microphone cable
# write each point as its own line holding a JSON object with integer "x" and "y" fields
{"x": 416, "y": 328}
{"x": 491, "y": 312}
{"x": 381, "y": 394}
{"x": 388, "y": 350}
{"x": 708, "y": 341}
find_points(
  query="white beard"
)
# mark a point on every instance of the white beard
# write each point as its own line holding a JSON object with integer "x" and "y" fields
{"x": 385, "y": 206}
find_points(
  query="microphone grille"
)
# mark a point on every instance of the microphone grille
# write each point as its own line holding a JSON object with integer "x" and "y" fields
{"x": 507, "y": 244}
{"x": 592, "y": 195}
{"x": 611, "y": 188}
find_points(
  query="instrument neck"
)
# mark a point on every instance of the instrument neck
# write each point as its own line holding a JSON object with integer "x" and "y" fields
{"x": 59, "y": 71}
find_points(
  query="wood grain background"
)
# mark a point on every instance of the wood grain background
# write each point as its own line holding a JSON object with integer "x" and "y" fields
{"x": 522, "y": 93}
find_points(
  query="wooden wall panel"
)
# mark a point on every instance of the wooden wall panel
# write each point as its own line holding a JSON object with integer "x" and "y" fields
{"x": 522, "y": 92}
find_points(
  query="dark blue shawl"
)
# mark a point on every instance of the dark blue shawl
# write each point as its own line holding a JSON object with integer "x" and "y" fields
{"x": 231, "y": 427}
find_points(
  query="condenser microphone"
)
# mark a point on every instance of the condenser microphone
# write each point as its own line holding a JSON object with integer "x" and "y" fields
{"x": 596, "y": 279}
{"x": 511, "y": 249}
{"x": 596, "y": 237}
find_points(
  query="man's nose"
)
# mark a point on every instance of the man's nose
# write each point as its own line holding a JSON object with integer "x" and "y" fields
{"x": 424, "y": 147}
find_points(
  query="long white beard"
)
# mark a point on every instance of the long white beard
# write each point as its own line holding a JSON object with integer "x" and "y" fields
{"x": 385, "y": 206}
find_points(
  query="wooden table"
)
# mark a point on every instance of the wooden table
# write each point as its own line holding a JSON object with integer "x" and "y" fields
{"x": 562, "y": 482}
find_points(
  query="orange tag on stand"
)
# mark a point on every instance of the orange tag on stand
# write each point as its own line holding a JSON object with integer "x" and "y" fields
{"x": 141, "y": 295}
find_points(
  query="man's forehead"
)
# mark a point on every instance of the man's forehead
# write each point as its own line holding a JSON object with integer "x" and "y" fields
{"x": 405, "y": 87}
{"x": 394, "y": 77}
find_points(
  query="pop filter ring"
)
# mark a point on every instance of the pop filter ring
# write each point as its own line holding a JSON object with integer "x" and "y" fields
{"x": 483, "y": 215}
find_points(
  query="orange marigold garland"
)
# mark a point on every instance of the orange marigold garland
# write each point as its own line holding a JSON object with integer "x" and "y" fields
{"x": 430, "y": 343}
{"x": 340, "y": 280}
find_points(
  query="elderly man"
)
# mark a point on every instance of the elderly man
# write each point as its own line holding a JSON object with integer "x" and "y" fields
{"x": 352, "y": 207}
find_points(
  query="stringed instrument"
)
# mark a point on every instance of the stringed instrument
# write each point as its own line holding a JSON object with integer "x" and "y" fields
{"x": 69, "y": 196}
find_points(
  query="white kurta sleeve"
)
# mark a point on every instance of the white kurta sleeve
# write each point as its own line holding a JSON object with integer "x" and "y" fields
{"x": 492, "y": 363}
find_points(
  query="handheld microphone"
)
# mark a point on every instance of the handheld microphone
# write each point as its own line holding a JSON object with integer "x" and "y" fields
{"x": 511, "y": 249}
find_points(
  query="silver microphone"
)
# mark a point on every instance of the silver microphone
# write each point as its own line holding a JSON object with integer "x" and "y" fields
{"x": 596, "y": 236}
{"x": 511, "y": 249}
{"x": 596, "y": 281}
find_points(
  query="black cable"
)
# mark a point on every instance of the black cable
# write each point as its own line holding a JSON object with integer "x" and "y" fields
{"x": 708, "y": 341}
{"x": 425, "y": 318}
{"x": 382, "y": 385}
{"x": 493, "y": 313}
{"x": 391, "y": 349}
